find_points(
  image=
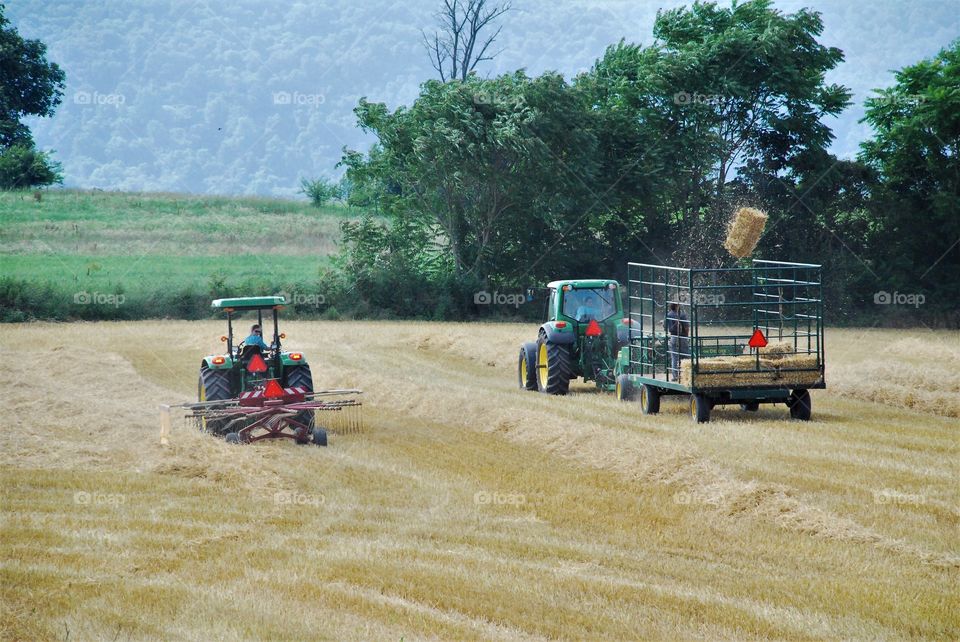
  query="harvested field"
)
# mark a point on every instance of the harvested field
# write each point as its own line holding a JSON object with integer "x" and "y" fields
{"x": 469, "y": 509}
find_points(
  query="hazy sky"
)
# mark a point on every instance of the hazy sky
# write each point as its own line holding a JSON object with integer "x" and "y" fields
{"x": 248, "y": 96}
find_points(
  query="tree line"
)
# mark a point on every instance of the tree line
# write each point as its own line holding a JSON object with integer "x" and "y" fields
{"x": 503, "y": 183}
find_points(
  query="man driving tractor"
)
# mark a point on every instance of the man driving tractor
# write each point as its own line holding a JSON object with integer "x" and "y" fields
{"x": 256, "y": 338}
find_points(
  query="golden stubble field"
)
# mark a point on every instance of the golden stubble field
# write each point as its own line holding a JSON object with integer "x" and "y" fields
{"x": 469, "y": 509}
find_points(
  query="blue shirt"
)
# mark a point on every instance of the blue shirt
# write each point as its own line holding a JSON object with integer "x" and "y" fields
{"x": 586, "y": 312}
{"x": 255, "y": 340}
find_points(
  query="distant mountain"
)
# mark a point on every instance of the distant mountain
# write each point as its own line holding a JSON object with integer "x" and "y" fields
{"x": 245, "y": 97}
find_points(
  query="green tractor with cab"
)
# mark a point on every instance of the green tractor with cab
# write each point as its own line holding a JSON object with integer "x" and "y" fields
{"x": 246, "y": 368}
{"x": 584, "y": 330}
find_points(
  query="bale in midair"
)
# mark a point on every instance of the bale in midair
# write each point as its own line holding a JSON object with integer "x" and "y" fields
{"x": 744, "y": 231}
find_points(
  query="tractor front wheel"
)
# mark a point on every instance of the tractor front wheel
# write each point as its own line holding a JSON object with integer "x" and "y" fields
{"x": 649, "y": 400}
{"x": 625, "y": 389}
{"x": 527, "y": 367}
{"x": 800, "y": 405}
{"x": 213, "y": 385}
{"x": 554, "y": 369}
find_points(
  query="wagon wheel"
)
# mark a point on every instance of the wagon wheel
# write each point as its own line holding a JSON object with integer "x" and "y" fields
{"x": 649, "y": 399}
{"x": 700, "y": 408}
{"x": 800, "y": 405}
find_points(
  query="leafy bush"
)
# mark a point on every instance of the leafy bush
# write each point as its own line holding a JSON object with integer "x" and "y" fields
{"x": 320, "y": 191}
{"x": 25, "y": 166}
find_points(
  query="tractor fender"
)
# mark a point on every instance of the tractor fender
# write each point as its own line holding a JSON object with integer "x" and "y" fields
{"x": 557, "y": 336}
{"x": 287, "y": 361}
{"x": 623, "y": 361}
{"x": 226, "y": 365}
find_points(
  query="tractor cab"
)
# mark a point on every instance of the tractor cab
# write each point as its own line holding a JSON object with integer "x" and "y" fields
{"x": 582, "y": 334}
{"x": 235, "y": 309}
{"x": 583, "y": 301}
{"x": 244, "y": 367}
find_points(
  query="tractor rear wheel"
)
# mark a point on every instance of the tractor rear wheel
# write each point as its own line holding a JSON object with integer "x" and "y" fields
{"x": 649, "y": 400}
{"x": 554, "y": 370}
{"x": 213, "y": 385}
{"x": 527, "y": 367}
{"x": 800, "y": 405}
{"x": 700, "y": 408}
{"x": 625, "y": 389}
{"x": 301, "y": 377}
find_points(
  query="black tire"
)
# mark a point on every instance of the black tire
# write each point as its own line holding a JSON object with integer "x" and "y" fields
{"x": 300, "y": 376}
{"x": 527, "y": 367}
{"x": 625, "y": 388}
{"x": 649, "y": 400}
{"x": 801, "y": 406}
{"x": 750, "y": 406}
{"x": 319, "y": 436}
{"x": 213, "y": 385}
{"x": 232, "y": 438}
{"x": 700, "y": 408}
{"x": 554, "y": 370}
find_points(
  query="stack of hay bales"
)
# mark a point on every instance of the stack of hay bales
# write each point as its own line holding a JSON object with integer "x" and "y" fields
{"x": 744, "y": 231}
{"x": 778, "y": 366}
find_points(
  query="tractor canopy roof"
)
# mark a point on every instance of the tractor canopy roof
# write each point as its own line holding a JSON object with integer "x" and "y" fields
{"x": 583, "y": 283}
{"x": 249, "y": 303}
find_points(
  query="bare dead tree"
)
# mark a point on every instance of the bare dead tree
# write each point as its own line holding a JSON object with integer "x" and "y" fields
{"x": 457, "y": 48}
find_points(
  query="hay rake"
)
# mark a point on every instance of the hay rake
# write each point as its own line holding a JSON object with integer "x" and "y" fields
{"x": 273, "y": 412}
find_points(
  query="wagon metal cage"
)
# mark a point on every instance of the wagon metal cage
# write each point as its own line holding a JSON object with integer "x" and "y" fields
{"x": 725, "y": 307}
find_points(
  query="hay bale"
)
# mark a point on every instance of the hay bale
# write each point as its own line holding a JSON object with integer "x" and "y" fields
{"x": 744, "y": 230}
{"x": 776, "y": 349}
{"x": 787, "y": 370}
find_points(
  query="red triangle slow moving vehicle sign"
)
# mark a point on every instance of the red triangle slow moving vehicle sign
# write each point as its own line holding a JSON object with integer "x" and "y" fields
{"x": 273, "y": 390}
{"x": 257, "y": 364}
{"x": 758, "y": 340}
{"x": 593, "y": 329}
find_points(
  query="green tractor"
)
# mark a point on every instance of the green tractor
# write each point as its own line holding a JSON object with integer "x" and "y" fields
{"x": 585, "y": 329}
{"x": 246, "y": 368}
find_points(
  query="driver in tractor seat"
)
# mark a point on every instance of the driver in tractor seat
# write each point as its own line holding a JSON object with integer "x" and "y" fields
{"x": 255, "y": 339}
{"x": 587, "y": 311}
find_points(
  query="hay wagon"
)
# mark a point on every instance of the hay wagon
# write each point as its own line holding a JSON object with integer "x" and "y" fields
{"x": 754, "y": 336}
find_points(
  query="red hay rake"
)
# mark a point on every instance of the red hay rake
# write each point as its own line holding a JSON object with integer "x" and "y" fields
{"x": 273, "y": 412}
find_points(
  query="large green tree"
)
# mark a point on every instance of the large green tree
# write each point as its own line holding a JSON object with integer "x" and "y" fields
{"x": 498, "y": 173}
{"x": 916, "y": 151}
{"x": 721, "y": 88}
{"x": 29, "y": 86}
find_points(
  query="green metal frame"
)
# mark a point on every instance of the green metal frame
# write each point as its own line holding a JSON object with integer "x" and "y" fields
{"x": 782, "y": 299}
{"x": 249, "y": 303}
